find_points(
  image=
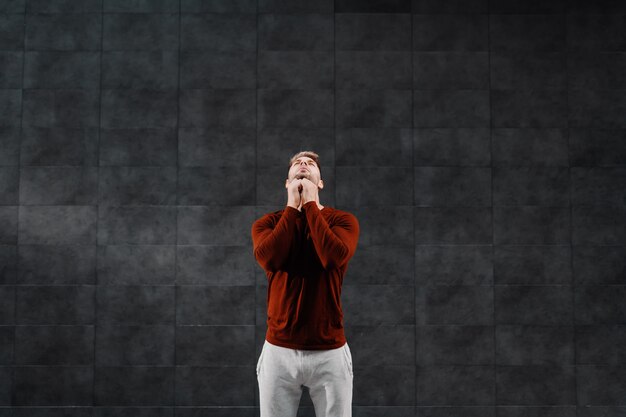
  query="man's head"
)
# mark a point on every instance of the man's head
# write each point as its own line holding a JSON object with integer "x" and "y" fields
{"x": 305, "y": 164}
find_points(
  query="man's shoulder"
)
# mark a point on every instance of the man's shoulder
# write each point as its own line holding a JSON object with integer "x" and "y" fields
{"x": 268, "y": 216}
{"x": 274, "y": 213}
{"x": 335, "y": 212}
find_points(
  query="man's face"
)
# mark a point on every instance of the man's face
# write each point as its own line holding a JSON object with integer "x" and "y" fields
{"x": 305, "y": 167}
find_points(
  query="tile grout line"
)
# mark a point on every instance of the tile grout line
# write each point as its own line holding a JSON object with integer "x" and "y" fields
{"x": 571, "y": 209}
{"x": 174, "y": 368}
{"x": 256, "y": 191}
{"x": 17, "y": 246}
{"x": 493, "y": 233}
{"x": 415, "y": 286}
{"x": 95, "y": 291}
{"x": 335, "y": 100}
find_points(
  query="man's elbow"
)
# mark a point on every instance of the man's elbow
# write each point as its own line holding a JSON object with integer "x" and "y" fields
{"x": 268, "y": 267}
{"x": 333, "y": 263}
{"x": 337, "y": 259}
{"x": 267, "y": 263}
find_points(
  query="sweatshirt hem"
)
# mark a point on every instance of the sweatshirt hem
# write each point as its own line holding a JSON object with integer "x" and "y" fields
{"x": 275, "y": 342}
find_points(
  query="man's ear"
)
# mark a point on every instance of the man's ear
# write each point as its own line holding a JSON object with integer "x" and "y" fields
{"x": 287, "y": 183}
{"x": 320, "y": 184}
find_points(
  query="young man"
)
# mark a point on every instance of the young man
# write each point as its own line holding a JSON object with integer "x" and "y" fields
{"x": 304, "y": 250}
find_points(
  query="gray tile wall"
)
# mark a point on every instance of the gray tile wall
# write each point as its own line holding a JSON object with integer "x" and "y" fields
{"x": 481, "y": 144}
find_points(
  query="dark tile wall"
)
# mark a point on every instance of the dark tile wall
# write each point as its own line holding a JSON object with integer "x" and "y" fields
{"x": 481, "y": 144}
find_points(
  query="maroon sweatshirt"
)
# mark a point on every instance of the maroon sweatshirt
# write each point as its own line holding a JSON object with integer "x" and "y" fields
{"x": 305, "y": 255}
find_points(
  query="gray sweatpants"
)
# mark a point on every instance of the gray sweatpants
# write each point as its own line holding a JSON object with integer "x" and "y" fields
{"x": 281, "y": 373}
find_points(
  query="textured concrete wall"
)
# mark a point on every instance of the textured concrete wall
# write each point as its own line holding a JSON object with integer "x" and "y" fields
{"x": 481, "y": 144}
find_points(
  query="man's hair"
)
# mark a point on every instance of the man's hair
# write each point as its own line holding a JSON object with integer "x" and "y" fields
{"x": 309, "y": 154}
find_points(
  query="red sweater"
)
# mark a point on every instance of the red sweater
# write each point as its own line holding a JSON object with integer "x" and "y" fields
{"x": 305, "y": 255}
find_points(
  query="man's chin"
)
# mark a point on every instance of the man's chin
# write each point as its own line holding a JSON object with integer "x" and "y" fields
{"x": 299, "y": 176}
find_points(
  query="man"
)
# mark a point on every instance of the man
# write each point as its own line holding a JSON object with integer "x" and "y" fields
{"x": 304, "y": 250}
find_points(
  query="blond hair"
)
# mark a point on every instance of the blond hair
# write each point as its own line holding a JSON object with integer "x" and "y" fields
{"x": 309, "y": 154}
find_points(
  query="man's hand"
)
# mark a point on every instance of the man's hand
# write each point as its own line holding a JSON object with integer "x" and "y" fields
{"x": 309, "y": 191}
{"x": 293, "y": 193}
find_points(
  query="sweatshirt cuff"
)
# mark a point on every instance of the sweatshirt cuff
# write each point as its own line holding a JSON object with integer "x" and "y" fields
{"x": 290, "y": 211}
{"x": 309, "y": 204}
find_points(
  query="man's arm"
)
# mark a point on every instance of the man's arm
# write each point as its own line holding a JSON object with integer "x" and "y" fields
{"x": 272, "y": 243}
{"x": 334, "y": 245}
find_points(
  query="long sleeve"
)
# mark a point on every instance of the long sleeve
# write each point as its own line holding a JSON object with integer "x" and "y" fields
{"x": 335, "y": 244}
{"x": 272, "y": 243}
